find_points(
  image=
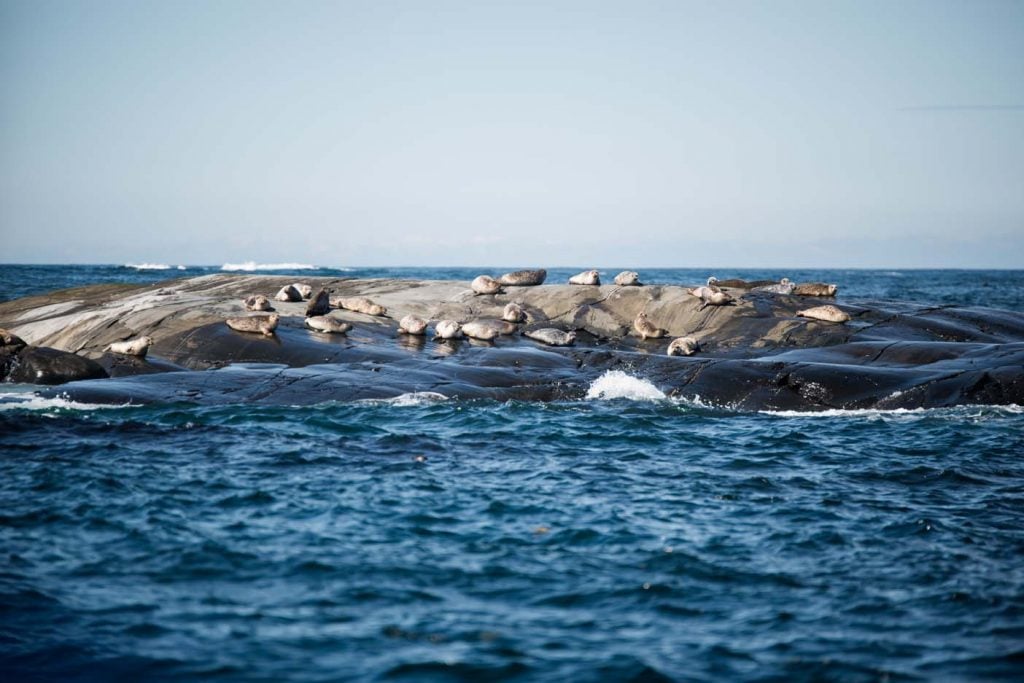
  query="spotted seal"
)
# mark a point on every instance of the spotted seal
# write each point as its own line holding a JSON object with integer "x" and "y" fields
{"x": 447, "y": 329}
{"x": 478, "y": 329}
{"x": 263, "y": 324}
{"x": 645, "y": 328}
{"x": 683, "y": 346}
{"x": 628, "y": 278}
{"x": 327, "y": 324}
{"x": 319, "y": 305}
{"x": 551, "y": 336}
{"x": 827, "y": 313}
{"x": 288, "y": 293}
{"x": 257, "y": 302}
{"x": 524, "y": 278}
{"x": 359, "y": 304}
{"x": 485, "y": 284}
{"x": 513, "y": 313}
{"x": 133, "y": 347}
{"x": 815, "y": 289}
{"x": 411, "y": 324}
{"x": 784, "y": 286}
{"x": 587, "y": 277}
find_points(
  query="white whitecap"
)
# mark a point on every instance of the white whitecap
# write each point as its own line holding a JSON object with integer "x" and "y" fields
{"x": 414, "y": 398}
{"x": 615, "y": 384}
{"x": 968, "y": 411}
{"x": 181, "y": 267}
{"x": 32, "y": 401}
{"x": 249, "y": 266}
{"x": 148, "y": 266}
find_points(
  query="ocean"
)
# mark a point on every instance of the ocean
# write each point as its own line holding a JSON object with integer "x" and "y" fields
{"x": 622, "y": 537}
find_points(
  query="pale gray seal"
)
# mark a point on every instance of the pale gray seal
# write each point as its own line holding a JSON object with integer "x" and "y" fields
{"x": 263, "y": 324}
{"x": 257, "y": 302}
{"x": 784, "y": 286}
{"x": 305, "y": 291}
{"x": 587, "y": 277}
{"x": 359, "y": 304}
{"x": 513, "y": 313}
{"x": 447, "y": 329}
{"x": 485, "y": 284}
{"x": 288, "y": 293}
{"x": 551, "y": 336}
{"x": 628, "y": 278}
{"x": 319, "y": 305}
{"x": 706, "y": 290}
{"x": 683, "y": 346}
{"x": 815, "y": 289}
{"x": 645, "y": 328}
{"x": 410, "y": 324}
{"x": 133, "y": 347}
{"x": 827, "y": 313}
{"x": 325, "y": 323}
{"x": 524, "y": 278}
{"x": 478, "y": 329}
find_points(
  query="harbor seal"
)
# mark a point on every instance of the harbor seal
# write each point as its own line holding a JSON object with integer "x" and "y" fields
{"x": 485, "y": 284}
{"x": 288, "y": 293}
{"x": 628, "y": 278}
{"x": 645, "y": 328}
{"x": 478, "y": 329}
{"x": 707, "y": 289}
{"x": 551, "y": 336}
{"x": 133, "y": 347}
{"x": 587, "y": 277}
{"x": 410, "y": 324}
{"x": 524, "y": 278}
{"x": 305, "y": 291}
{"x": 784, "y": 286}
{"x": 716, "y": 299}
{"x": 257, "y": 302}
{"x": 815, "y": 289}
{"x": 827, "y": 313}
{"x": 513, "y": 313}
{"x": 319, "y": 305}
{"x": 447, "y": 329}
{"x": 325, "y": 323}
{"x": 683, "y": 346}
{"x": 263, "y": 324}
{"x": 359, "y": 304}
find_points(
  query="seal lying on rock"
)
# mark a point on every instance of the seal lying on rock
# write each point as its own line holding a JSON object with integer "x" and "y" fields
{"x": 325, "y": 323}
{"x": 478, "y": 329}
{"x": 645, "y": 328}
{"x": 133, "y": 347}
{"x": 683, "y": 346}
{"x": 359, "y": 304}
{"x": 257, "y": 302}
{"x": 524, "y": 278}
{"x": 319, "y": 305}
{"x": 288, "y": 293}
{"x": 485, "y": 284}
{"x": 263, "y": 324}
{"x": 447, "y": 329}
{"x": 710, "y": 294}
{"x": 827, "y": 313}
{"x": 551, "y": 336}
{"x": 706, "y": 290}
{"x": 587, "y": 277}
{"x": 410, "y": 324}
{"x": 628, "y": 278}
{"x": 305, "y": 291}
{"x": 513, "y": 313}
{"x": 815, "y": 289}
{"x": 784, "y": 286}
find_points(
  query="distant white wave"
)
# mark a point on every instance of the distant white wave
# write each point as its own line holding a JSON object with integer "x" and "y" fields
{"x": 617, "y": 384}
{"x": 32, "y": 401}
{"x": 415, "y": 398}
{"x": 150, "y": 266}
{"x": 969, "y": 412}
{"x": 250, "y": 266}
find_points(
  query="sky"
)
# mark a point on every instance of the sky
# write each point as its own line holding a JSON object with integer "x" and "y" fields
{"x": 591, "y": 134}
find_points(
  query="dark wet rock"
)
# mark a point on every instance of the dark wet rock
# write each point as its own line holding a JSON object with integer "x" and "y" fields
{"x": 757, "y": 354}
{"x": 41, "y": 365}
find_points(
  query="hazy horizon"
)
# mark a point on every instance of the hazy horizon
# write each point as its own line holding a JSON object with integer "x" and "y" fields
{"x": 749, "y": 135}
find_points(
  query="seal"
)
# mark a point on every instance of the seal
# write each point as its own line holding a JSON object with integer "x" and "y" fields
{"x": 263, "y": 324}
{"x": 513, "y": 313}
{"x": 319, "y": 305}
{"x": 133, "y": 347}
{"x": 325, "y": 323}
{"x": 524, "y": 278}
{"x": 827, "y": 313}
{"x": 815, "y": 289}
{"x": 711, "y": 294}
{"x": 683, "y": 346}
{"x": 706, "y": 290}
{"x": 10, "y": 339}
{"x": 257, "y": 302}
{"x": 628, "y": 278}
{"x": 485, "y": 284}
{"x": 551, "y": 336}
{"x": 410, "y": 324}
{"x": 737, "y": 283}
{"x": 645, "y": 328}
{"x": 502, "y": 326}
{"x": 784, "y": 286}
{"x": 447, "y": 329}
{"x": 288, "y": 293}
{"x": 587, "y": 277}
{"x": 359, "y": 304}
{"x": 478, "y": 329}
{"x": 305, "y": 291}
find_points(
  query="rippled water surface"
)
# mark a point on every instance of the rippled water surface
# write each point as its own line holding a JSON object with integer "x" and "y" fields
{"x": 623, "y": 537}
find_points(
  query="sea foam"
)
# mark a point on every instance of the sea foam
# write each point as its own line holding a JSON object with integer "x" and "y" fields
{"x": 617, "y": 384}
{"x": 249, "y": 266}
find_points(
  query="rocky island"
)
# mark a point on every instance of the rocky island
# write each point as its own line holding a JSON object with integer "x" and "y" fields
{"x": 755, "y": 353}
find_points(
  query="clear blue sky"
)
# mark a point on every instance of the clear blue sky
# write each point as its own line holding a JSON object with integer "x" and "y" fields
{"x": 846, "y": 134}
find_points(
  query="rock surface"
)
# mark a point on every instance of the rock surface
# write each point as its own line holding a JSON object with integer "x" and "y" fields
{"x": 756, "y": 354}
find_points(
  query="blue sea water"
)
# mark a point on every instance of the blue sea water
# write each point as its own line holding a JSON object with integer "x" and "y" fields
{"x": 621, "y": 537}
